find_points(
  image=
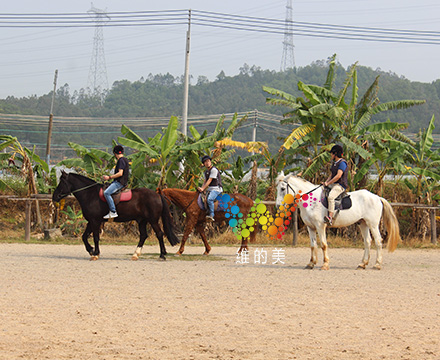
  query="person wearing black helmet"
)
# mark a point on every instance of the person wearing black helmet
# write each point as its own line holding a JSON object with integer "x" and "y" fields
{"x": 120, "y": 180}
{"x": 337, "y": 180}
{"x": 213, "y": 185}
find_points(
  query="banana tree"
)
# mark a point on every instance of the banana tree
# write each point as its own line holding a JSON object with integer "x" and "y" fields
{"x": 425, "y": 163}
{"x": 161, "y": 152}
{"x": 28, "y": 158}
{"x": 93, "y": 162}
{"x": 335, "y": 120}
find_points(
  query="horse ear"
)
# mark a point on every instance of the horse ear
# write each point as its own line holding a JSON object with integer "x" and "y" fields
{"x": 282, "y": 173}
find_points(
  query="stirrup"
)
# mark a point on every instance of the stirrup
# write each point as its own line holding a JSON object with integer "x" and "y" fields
{"x": 328, "y": 220}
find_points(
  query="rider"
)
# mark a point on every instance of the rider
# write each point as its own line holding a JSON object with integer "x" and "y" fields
{"x": 121, "y": 179}
{"x": 337, "y": 181}
{"x": 213, "y": 183}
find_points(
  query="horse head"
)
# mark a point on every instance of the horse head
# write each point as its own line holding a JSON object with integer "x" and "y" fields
{"x": 290, "y": 184}
{"x": 63, "y": 189}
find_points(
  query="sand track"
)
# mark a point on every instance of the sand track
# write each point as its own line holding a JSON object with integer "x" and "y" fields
{"x": 56, "y": 304}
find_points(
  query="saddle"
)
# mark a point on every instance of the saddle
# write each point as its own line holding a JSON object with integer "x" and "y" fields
{"x": 121, "y": 195}
{"x": 203, "y": 205}
{"x": 342, "y": 202}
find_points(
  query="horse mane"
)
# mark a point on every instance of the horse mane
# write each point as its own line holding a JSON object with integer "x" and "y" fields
{"x": 282, "y": 177}
{"x": 297, "y": 177}
{"x": 82, "y": 177}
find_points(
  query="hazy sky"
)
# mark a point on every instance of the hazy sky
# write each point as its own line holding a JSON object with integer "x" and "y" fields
{"x": 29, "y": 57}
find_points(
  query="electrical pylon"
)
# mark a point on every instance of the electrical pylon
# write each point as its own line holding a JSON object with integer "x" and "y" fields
{"x": 288, "y": 60}
{"x": 97, "y": 82}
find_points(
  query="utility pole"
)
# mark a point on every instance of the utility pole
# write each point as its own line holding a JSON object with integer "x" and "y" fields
{"x": 49, "y": 130}
{"x": 254, "y": 131}
{"x": 288, "y": 59}
{"x": 186, "y": 77}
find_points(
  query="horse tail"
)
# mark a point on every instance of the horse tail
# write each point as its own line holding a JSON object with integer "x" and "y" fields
{"x": 391, "y": 224}
{"x": 168, "y": 225}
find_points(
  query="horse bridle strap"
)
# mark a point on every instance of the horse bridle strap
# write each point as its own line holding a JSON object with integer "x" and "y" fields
{"x": 288, "y": 186}
{"x": 81, "y": 189}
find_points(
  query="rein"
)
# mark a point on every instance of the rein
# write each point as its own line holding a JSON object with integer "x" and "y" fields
{"x": 288, "y": 186}
{"x": 80, "y": 189}
{"x": 187, "y": 206}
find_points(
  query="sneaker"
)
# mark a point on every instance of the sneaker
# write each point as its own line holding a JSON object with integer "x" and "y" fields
{"x": 328, "y": 220}
{"x": 111, "y": 215}
{"x": 210, "y": 218}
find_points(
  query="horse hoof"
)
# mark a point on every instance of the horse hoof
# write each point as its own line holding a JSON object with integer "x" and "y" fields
{"x": 206, "y": 253}
{"x": 162, "y": 258}
{"x": 377, "y": 267}
{"x": 361, "y": 267}
{"x": 325, "y": 267}
{"x": 94, "y": 258}
{"x": 135, "y": 258}
{"x": 309, "y": 266}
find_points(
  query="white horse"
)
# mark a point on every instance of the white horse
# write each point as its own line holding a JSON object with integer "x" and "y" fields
{"x": 367, "y": 210}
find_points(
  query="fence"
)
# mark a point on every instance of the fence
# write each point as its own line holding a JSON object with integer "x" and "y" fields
{"x": 46, "y": 197}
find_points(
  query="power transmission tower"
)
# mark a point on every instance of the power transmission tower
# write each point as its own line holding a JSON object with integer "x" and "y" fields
{"x": 97, "y": 82}
{"x": 288, "y": 60}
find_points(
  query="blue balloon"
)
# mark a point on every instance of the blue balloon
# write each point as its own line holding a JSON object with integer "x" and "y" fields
{"x": 235, "y": 209}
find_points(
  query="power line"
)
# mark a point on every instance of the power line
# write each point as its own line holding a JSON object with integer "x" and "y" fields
{"x": 226, "y": 21}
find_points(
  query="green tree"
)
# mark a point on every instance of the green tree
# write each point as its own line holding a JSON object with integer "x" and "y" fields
{"x": 332, "y": 117}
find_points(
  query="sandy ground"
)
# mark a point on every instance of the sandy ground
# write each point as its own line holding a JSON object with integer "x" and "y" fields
{"x": 56, "y": 304}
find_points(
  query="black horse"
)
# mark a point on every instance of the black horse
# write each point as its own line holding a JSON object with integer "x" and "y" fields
{"x": 145, "y": 206}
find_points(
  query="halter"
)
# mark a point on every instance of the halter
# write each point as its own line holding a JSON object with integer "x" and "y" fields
{"x": 294, "y": 192}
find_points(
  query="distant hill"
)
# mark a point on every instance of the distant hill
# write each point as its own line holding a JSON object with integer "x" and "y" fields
{"x": 161, "y": 96}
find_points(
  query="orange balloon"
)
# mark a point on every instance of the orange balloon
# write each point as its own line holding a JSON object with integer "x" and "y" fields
{"x": 272, "y": 230}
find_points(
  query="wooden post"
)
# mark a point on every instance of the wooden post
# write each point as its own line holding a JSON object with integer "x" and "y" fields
{"x": 433, "y": 227}
{"x": 295, "y": 227}
{"x": 27, "y": 226}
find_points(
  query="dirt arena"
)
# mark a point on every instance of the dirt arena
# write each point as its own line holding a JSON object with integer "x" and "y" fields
{"x": 56, "y": 304}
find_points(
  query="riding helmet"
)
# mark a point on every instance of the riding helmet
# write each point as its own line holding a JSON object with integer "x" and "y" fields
{"x": 337, "y": 150}
{"x": 118, "y": 149}
{"x": 206, "y": 157}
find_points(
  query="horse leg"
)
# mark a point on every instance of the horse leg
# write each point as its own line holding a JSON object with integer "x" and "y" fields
{"x": 365, "y": 231}
{"x": 189, "y": 227}
{"x": 378, "y": 241}
{"x": 96, "y": 229}
{"x": 142, "y": 225}
{"x": 313, "y": 248}
{"x": 85, "y": 237}
{"x": 200, "y": 227}
{"x": 159, "y": 235}
{"x": 324, "y": 247}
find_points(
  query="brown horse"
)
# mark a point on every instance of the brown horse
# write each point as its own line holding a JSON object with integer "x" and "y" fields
{"x": 196, "y": 217}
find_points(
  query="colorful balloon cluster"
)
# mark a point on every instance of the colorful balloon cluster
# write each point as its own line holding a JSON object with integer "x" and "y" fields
{"x": 273, "y": 226}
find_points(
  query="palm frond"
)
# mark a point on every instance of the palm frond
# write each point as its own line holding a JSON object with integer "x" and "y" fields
{"x": 346, "y": 85}
{"x": 317, "y": 164}
{"x": 331, "y": 74}
{"x": 298, "y": 134}
{"x": 395, "y": 105}
{"x": 355, "y": 148}
{"x": 370, "y": 97}
{"x": 279, "y": 93}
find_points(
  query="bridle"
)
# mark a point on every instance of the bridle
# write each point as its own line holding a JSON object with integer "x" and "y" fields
{"x": 293, "y": 190}
{"x": 78, "y": 190}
